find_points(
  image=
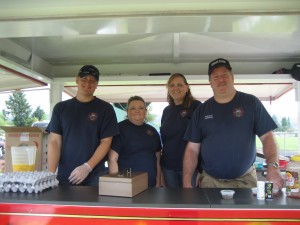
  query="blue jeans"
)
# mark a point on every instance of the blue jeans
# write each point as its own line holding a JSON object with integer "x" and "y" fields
{"x": 174, "y": 178}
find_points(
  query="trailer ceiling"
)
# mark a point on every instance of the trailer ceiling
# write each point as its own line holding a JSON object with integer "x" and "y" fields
{"x": 45, "y": 42}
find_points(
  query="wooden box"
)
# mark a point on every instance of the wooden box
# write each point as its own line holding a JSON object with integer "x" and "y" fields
{"x": 127, "y": 185}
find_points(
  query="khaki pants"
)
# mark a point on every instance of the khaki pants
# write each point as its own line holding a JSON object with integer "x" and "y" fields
{"x": 248, "y": 180}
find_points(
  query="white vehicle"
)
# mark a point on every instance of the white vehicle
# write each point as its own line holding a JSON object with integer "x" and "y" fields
{"x": 41, "y": 124}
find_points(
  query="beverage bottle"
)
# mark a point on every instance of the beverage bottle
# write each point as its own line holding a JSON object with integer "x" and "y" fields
{"x": 292, "y": 177}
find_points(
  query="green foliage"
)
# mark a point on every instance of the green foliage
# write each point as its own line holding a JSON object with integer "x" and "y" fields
{"x": 150, "y": 117}
{"x": 2, "y": 119}
{"x": 284, "y": 125}
{"x": 287, "y": 143}
{"x": 284, "y": 142}
{"x": 39, "y": 114}
{"x": 274, "y": 117}
{"x": 289, "y": 125}
{"x": 19, "y": 111}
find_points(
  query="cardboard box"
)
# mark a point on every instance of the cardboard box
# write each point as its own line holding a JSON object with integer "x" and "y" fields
{"x": 25, "y": 136}
{"x": 123, "y": 185}
{"x": 45, "y": 151}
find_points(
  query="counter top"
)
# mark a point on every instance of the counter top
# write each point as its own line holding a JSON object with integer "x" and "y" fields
{"x": 80, "y": 195}
{"x": 243, "y": 198}
{"x": 152, "y": 197}
{"x": 163, "y": 206}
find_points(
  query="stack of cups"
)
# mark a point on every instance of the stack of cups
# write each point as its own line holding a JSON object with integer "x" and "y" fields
{"x": 260, "y": 190}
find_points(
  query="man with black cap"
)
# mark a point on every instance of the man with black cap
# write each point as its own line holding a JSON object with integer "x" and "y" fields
{"x": 81, "y": 131}
{"x": 223, "y": 130}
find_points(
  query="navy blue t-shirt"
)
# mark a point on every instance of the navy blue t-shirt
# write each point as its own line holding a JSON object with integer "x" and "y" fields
{"x": 137, "y": 147}
{"x": 174, "y": 122}
{"x": 227, "y": 134}
{"x": 82, "y": 125}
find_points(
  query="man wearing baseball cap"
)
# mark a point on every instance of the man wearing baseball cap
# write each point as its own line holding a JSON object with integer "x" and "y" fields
{"x": 223, "y": 130}
{"x": 81, "y": 131}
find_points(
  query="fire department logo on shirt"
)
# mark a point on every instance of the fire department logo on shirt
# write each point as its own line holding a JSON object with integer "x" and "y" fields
{"x": 238, "y": 112}
{"x": 149, "y": 132}
{"x": 93, "y": 116}
{"x": 183, "y": 113}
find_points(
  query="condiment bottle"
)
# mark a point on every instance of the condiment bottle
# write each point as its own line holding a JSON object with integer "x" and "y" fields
{"x": 292, "y": 177}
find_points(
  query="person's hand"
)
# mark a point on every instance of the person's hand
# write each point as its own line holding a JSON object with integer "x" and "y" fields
{"x": 273, "y": 174}
{"x": 188, "y": 186}
{"x": 80, "y": 173}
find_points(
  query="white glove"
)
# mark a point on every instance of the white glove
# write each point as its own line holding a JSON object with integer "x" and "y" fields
{"x": 80, "y": 173}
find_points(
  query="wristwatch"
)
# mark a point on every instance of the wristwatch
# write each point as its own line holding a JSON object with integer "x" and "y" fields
{"x": 274, "y": 164}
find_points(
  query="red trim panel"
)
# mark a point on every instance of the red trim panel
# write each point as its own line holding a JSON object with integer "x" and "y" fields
{"x": 35, "y": 214}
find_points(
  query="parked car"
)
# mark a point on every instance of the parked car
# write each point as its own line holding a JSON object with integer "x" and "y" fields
{"x": 2, "y": 146}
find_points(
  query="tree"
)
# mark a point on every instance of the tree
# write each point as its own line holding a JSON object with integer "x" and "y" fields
{"x": 2, "y": 119}
{"x": 274, "y": 117}
{"x": 18, "y": 109}
{"x": 150, "y": 117}
{"x": 39, "y": 114}
{"x": 286, "y": 124}
{"x": 289, "y": 125}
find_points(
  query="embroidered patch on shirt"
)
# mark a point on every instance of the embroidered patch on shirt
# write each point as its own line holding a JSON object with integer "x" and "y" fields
{"x": 93, "y": 116}
{"x": 150, "y": 132}
{"x": 183, "y": 113}
{"x": 209, "y": 117}
{"x": 238, "y": 112}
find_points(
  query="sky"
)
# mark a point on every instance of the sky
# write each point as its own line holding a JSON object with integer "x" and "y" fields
{"x": 285, "y": 106}
{"x": 34, "y": 98}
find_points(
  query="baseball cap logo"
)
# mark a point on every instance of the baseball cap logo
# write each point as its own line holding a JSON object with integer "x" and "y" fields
{"x": 217, "y": 63}
{"x": 89, "y": 70}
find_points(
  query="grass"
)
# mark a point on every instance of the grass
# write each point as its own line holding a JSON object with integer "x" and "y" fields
{"x": 285, "y": 144}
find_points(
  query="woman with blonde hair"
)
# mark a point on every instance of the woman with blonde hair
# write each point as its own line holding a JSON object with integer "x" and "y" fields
{"x": 138, "y": 145}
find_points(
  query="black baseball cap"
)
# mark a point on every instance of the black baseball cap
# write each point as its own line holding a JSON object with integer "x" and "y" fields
{"x": 89, "y": 70}
{"x": 217, "y": 63}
